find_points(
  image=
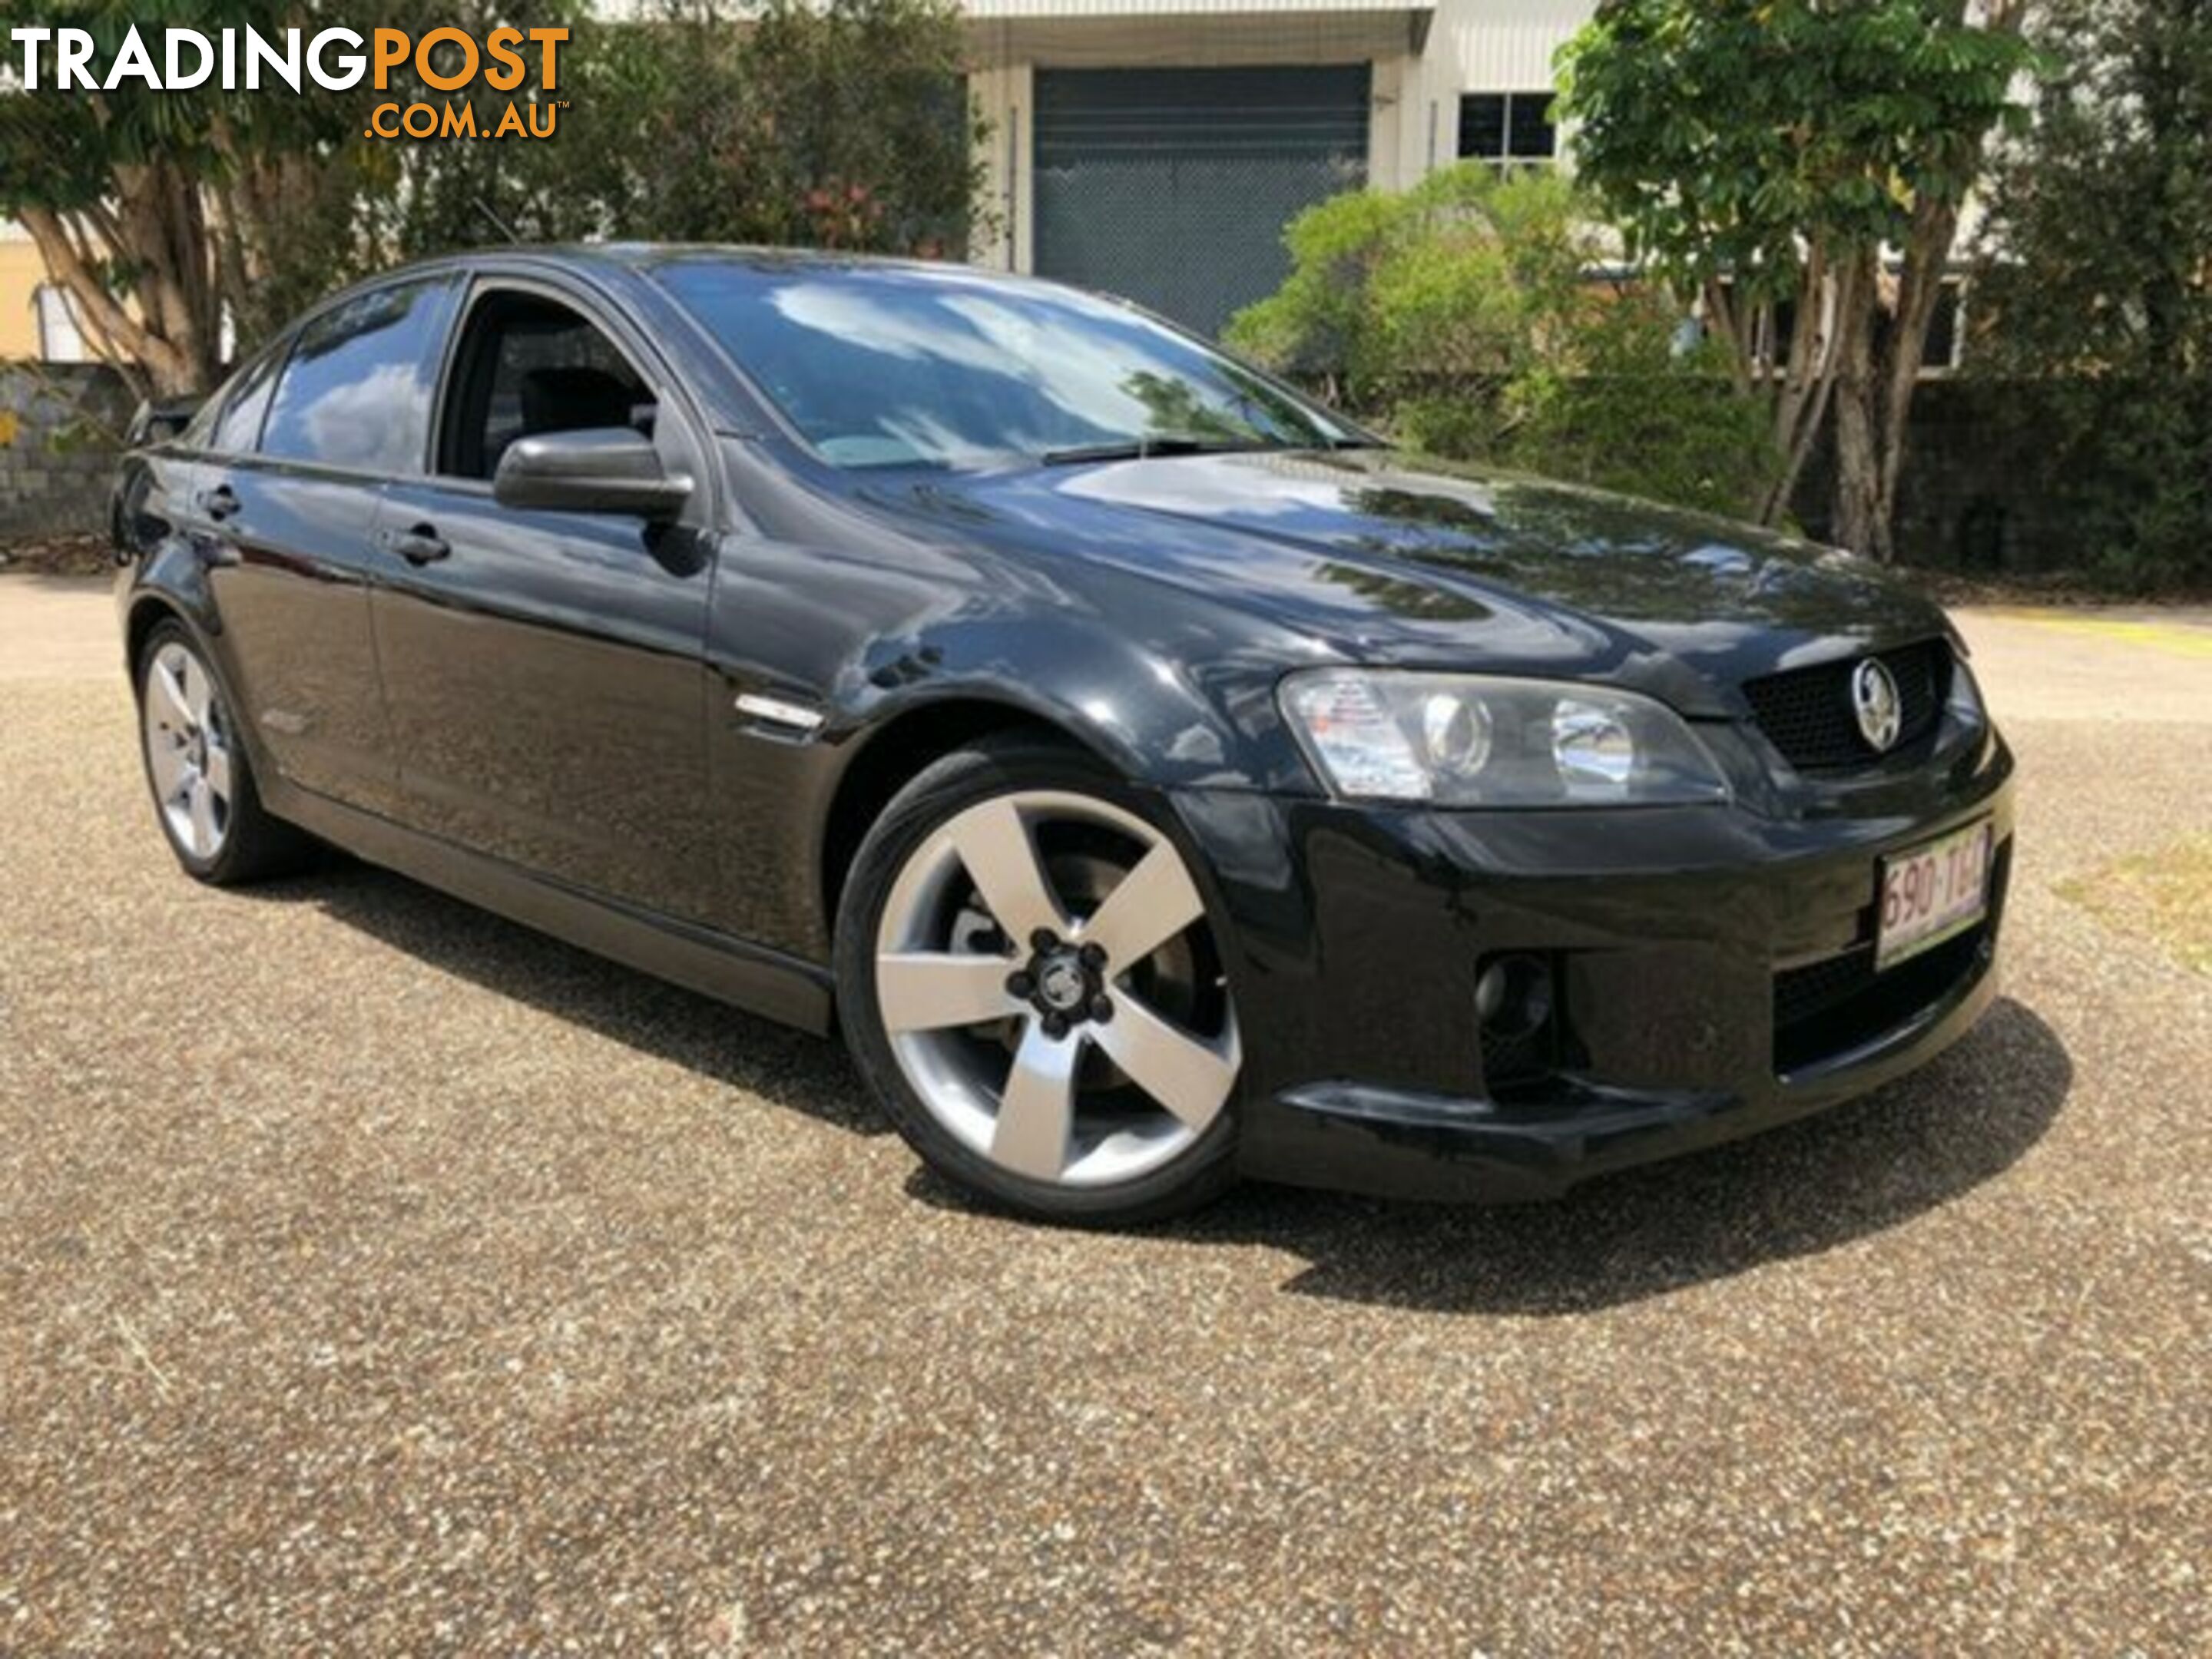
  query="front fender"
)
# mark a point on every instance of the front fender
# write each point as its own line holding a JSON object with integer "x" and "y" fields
{"x": 1135, "y": 702}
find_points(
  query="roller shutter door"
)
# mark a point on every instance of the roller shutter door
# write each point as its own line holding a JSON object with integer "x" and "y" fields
{"x": 1172, "y": 186}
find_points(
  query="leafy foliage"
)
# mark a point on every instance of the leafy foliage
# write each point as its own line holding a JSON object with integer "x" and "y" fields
{"x": 844, "y": 123}
{"x": 833, "y": 122}
{"x": 1639, "y": 414}
{"x": 154, "y": 209}
{"x": 1735, "y": 140}
{"x": 1760, "y": 156}
{"x": 2094, "y": 280}
{"x": 1462, "y": 314}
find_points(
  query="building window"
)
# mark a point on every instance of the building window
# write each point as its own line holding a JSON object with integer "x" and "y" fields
{"x": 1945, "y": 333}
{"x": 1774, "y": 332}
{"x": 60, "y": 341}
{"x": 1512, "y": 129}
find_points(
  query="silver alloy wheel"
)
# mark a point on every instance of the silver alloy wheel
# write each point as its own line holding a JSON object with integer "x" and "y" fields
{"x": 188, "y": 751}
{"x": 999, "y": 1000}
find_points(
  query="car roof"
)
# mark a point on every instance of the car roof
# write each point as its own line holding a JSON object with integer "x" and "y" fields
{"x": 642, "y": 256}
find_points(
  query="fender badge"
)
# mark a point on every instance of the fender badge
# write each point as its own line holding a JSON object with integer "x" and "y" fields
{"x": 776, "y": 711}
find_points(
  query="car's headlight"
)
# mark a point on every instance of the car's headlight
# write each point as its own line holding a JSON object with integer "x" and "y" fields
{"x": 1469, "y": 740}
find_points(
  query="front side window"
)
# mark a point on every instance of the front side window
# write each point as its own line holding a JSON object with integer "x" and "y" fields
{"x": 530, "y": 365}
{"x": 1508, "y": 127}
{"x": 356, "y": 390}
{"x": 898, "y": 365}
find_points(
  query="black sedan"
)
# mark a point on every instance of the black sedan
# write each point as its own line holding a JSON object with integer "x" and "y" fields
{"x": 1154, "y": 776}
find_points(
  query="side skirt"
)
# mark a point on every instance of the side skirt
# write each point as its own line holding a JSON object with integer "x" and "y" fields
{"x": 761, "y": 981}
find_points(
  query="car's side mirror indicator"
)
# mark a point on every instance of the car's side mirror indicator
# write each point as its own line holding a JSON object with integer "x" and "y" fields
{"x": 594, "y": 469}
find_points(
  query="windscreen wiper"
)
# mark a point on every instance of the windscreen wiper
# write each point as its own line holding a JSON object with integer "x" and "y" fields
{"x": 1145, "y": 449}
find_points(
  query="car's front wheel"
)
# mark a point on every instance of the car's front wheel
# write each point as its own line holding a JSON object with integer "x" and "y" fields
{"x": 1031, "y": 982}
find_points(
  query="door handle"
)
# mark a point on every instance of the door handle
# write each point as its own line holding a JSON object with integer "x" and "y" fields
{"x": 220, "y": 503}
{"x": 421, "y": 545}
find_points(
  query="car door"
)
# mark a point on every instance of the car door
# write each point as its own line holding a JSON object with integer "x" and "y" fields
{"x": 544, "y": 670}
{"x": 286, "y": 504}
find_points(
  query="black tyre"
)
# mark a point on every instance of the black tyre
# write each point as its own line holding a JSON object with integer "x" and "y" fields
{"x": 197, "y": 768}
{"x": 1030, "y": 981}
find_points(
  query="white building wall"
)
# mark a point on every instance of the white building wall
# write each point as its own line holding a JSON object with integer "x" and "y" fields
{"x": 1501, "y": 45}
{"x": 1478, "y": 46}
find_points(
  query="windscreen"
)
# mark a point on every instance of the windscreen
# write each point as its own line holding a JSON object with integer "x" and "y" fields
{"x": 906, "y": 366}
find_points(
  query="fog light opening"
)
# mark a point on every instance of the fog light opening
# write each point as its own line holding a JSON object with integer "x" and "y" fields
{"x": 1513, "y": 996}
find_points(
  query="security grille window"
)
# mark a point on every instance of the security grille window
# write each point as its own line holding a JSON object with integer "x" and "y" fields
{"x": 60, "y": 340}
{"x": 1944, "y": 333}
{"x": 1172, "y": 186}
{"x": 1511, "y": 129}
{"x": 1774, "y": 332}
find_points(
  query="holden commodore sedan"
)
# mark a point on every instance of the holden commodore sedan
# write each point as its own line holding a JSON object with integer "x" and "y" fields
{"x": 1154, "y": 777}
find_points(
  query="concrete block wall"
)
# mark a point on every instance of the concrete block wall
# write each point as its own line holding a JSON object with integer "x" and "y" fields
{"x": 1979, "y": 493}
{"x": 61, "y": 429}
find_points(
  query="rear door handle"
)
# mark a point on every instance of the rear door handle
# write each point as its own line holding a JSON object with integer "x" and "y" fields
{"x": 421, "y": 545}
{"x": 220, "y": 503}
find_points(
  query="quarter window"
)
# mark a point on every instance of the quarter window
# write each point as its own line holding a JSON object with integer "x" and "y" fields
{"x": 355, "y": 392}
{"x": 1508, "y": 128}
{"x": 237, "y": 428}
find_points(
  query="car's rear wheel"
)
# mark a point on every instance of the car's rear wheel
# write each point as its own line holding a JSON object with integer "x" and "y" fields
{"x": 204, "y": 797}
{"x": 1030, "y": 981}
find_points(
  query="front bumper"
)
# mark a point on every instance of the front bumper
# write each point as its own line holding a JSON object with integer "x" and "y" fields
{"x": 1712, "y": 969}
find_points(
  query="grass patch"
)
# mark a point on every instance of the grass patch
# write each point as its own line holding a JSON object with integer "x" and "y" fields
{"x": 2167, "y": 894}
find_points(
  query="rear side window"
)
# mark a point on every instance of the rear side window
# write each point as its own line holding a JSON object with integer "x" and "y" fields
{"x": 238, "y": 428}
{"x": 355, "y": 392}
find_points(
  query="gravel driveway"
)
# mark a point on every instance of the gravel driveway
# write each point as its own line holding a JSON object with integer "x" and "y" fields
{"x": 376, "y": 1276}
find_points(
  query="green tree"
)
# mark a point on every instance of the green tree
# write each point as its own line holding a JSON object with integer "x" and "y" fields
{"x": 1800, "y": 158}
{"x": 1465, "y": 314}
{"x": 1459, "y": 283}
{"x": 167, "y": 215}
{"x": 838, "y": 124}
{"x": 829, "y": 123}
{"x": 2093, "y": 285}
{"x": 156, "y": 211}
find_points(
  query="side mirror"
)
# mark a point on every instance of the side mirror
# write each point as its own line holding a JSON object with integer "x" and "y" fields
{"x": 609, "y": 469}
{"x": 161, "y": 423}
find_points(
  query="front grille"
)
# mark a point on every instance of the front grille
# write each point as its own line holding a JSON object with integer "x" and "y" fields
{"x": 1828, "y": 1008}
{"x": 1831, "y": 1007}
{"x": 1807, "y": 715}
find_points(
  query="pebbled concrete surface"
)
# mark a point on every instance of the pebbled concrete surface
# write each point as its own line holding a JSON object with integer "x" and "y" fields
{"x": 377, "y": 1277}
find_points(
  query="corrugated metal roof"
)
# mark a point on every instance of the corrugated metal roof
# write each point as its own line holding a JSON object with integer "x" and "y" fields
{"x": 1181, "y": 7}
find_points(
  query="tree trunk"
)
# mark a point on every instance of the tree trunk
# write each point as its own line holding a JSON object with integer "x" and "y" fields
{"x": 1886, "y": 349}
{"x": 162, "y": 323}
{"x": 1856, "y": 523}
{"x": 1827, "y": 298}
